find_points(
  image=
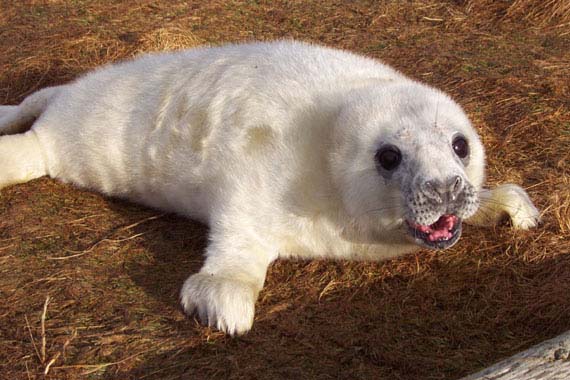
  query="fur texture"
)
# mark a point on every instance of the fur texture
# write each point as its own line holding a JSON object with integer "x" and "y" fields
{"x": 275, "y": 146}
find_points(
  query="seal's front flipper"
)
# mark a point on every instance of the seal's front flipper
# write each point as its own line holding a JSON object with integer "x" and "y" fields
{"x": 506, "y": 201}
{"x": 224, "y": 292}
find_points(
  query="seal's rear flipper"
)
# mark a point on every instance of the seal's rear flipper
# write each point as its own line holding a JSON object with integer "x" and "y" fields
{"x": 21, "y": 159}
{"x": 18, "y": 119}
{"x": 5, "y": 110}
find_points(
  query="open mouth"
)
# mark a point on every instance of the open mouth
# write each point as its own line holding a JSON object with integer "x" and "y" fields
{"x": 440, "y": 235}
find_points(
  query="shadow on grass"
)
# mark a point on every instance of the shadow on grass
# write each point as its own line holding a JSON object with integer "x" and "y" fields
{"x": 176, "y": 245}
{"x": 425, "y": 316}
{"x": 449, "y": 319}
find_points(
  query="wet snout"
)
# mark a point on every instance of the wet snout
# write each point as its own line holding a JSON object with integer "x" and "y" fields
{"x": 442, "y": 191}
{"x": 439, "y": 187}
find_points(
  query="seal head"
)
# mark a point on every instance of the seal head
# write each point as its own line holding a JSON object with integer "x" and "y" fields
{"x": 407, "y": 162}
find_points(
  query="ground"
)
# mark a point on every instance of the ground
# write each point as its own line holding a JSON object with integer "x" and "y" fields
{"x": 88, "y": 285}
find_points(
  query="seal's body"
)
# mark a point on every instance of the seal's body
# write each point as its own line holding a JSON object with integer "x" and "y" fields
{"x": 283, "y": 148}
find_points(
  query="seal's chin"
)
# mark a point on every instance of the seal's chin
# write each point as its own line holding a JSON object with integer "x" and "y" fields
{"x": 440, "y": 235}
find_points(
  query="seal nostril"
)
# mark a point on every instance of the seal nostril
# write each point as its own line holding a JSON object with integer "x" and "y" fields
{"x": 443, "y": 191}
{"x": 455, "y": 187}
{"x": 457, "y": 184}
{"x": 432, "y": 190}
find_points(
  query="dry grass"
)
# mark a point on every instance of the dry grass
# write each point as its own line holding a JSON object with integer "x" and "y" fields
{"x": 543, "y": 12}
{"x": 112, "y": 310}
{"x": 548, "y": 13}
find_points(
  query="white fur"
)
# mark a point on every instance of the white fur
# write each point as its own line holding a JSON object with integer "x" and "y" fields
{"x": 271, "y": 144}
{"x": 506, "y": 200}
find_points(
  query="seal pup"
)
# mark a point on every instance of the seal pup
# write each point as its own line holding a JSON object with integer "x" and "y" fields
{"x": 282, "y": 148}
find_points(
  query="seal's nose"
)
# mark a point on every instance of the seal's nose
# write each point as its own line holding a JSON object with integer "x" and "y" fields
{"x": 443, "y": 191}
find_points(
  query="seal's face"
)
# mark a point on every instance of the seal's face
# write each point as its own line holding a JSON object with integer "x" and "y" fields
{"x": 436, "y": 191}
{"x": 406, "y": 158}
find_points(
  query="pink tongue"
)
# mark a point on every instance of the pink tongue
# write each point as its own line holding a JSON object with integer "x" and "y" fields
{"x": 440, "y": 229}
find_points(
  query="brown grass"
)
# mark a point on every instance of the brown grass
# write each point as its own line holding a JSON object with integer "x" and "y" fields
{"x": 547, "y": 13}
{"x": 543, "y": 12}
{"x": 111, "y": 270}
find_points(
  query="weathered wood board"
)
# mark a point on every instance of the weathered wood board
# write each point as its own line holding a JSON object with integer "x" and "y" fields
{"x": 549, "y": 360}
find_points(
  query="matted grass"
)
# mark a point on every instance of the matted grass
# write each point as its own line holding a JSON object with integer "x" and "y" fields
{"x": 111, "y": 271}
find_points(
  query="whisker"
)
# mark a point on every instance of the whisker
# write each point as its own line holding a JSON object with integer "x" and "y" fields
{"x": 484, "y": 201}
{"x": 488, "y": 202}
{"x": 490, "y": 214}
{"x": 487, "y": 208}
{"x": 392, "y": 225}
{"x": 436, "y": 112}
{"x": 365, "y": 170}
{"x": 378, "y": 210}
{"x": 486, "y": 213}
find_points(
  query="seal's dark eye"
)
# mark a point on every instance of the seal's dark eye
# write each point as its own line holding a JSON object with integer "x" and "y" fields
{"x": 460, "y": 146}
{"x": 389, "y": 157}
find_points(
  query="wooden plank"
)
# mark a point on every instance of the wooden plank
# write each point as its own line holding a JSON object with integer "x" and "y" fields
{"x": 549, "y": 360}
